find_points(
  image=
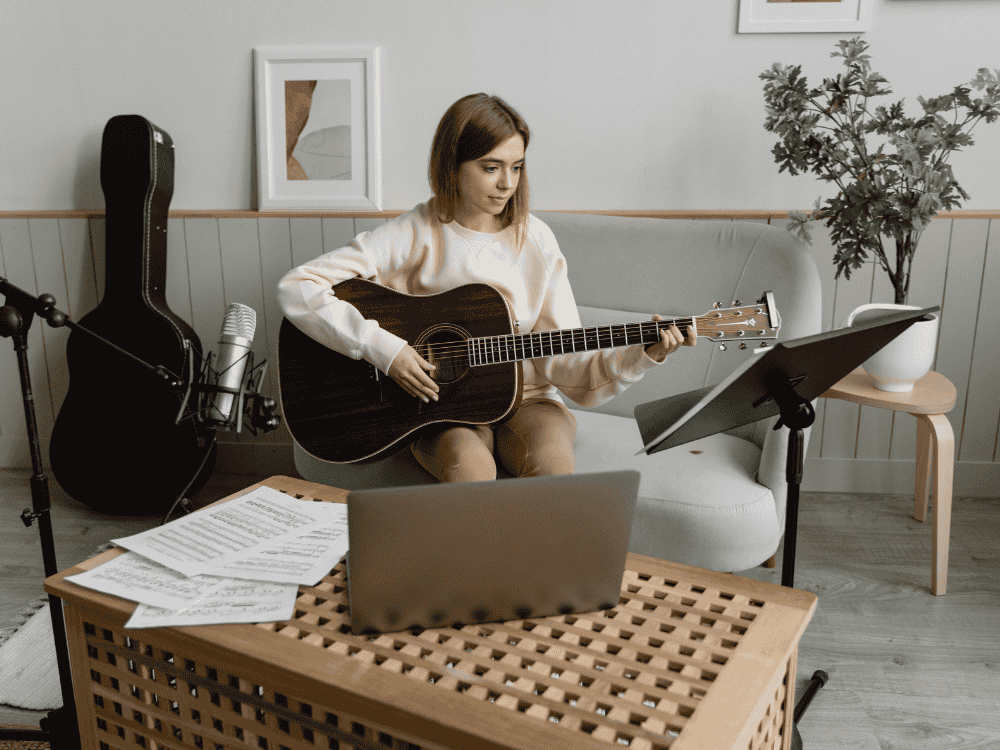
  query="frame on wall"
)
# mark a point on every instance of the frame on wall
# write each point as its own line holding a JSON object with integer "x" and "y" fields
{"x": 775, "y": 16}
{"x": 318, "y": 134}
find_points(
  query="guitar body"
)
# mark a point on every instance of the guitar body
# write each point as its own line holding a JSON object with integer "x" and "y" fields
{"x": 343, "y": 410}
{"x": 115, "y": 445}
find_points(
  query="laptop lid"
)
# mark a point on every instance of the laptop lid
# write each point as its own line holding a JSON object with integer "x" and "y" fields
{"x": 436, "y": 555}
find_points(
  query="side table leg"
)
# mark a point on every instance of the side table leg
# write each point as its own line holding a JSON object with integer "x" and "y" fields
{"x": 925, "y": 459}
{"x": 942, "y": 474}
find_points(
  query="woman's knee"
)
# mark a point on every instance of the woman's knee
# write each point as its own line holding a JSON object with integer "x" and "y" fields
{"x": 457, "y": 455}
{"x": 548, "y": 460}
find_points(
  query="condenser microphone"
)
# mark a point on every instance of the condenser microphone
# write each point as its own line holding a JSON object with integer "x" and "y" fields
{"x": 231, "y": 362}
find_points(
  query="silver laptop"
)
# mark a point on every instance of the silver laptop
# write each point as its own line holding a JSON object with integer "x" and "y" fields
{"x": 437, "y": 555}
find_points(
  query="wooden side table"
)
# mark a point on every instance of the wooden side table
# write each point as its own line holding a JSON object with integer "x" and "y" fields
{"x": 932, "y": 397}
{"x": 687, "y": 658}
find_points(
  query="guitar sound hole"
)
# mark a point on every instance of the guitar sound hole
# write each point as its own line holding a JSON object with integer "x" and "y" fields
{"x": 445, "y": 347}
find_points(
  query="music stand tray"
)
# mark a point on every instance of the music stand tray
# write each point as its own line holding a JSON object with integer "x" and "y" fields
{"x": 779, "y": 380}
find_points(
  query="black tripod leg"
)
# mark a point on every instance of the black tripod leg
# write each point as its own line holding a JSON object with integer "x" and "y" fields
{"x": 60, "y": 726}
{"x": 204, "y": 468}
{"x": 819, "y": 679}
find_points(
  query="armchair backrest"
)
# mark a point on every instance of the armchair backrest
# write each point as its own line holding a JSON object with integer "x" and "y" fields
{"x": 624, "y": 269}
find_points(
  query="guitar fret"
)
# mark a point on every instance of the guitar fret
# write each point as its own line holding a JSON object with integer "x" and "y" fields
{"x": 539, "y": 344}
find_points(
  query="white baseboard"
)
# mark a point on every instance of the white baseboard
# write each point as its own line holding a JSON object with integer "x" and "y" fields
{"x": 971, "y": 478}
{"x": 233, "y": 458}
{"x": 14, "y": 453}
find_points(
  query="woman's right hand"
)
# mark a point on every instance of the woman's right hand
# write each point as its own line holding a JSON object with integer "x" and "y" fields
{"x": 410, "y": 370}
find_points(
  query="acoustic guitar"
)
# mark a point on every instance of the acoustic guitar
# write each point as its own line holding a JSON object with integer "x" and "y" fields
{"x": 344, "y": 410}
{"x": 116, "y": 444}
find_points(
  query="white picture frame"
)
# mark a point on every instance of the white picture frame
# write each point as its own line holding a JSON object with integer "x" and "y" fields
{"x": 330, "y": 94}
{"x": 785, "y": 16}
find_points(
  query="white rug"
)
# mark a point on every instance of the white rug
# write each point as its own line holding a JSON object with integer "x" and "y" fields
{"x": 29, "y": 676}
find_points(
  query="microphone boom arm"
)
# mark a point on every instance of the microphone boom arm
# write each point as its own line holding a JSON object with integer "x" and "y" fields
{"x": 44, "y": 307}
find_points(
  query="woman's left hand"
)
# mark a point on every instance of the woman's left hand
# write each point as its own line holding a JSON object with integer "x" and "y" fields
{"x": 671, "y": 339}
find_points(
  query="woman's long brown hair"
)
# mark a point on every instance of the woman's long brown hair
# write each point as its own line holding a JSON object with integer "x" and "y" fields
{"x": 471, "y": 128}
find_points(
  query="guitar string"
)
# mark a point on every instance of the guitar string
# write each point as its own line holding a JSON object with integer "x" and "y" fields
{"x": 462, "y": 347}
{"x": 442, "y": 352}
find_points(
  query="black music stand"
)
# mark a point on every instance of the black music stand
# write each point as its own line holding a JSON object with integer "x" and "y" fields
{"x": 782, "y": 380}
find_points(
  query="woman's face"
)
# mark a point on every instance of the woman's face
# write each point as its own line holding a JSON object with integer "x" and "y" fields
{"x": 487, "y": 183}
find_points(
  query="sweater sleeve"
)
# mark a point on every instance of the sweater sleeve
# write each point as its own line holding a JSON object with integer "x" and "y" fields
{"x": 306, "y": 297}
{"x": 588, "y": 378}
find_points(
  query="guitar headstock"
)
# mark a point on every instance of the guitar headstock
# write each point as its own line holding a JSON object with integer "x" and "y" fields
{"x": 757, "y": 322}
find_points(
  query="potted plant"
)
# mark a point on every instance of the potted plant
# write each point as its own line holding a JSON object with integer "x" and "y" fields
{"x": 892, "y": 171}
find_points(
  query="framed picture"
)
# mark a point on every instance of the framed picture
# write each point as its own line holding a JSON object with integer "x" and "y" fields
{"x": 771, "y": 16}
{"x": 318, "y": 137}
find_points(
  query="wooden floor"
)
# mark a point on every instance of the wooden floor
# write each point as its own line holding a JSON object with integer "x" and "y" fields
{"x": 908, "y": 670}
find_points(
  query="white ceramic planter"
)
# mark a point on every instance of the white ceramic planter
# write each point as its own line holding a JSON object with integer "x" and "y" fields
{"x": 905, "y": 359}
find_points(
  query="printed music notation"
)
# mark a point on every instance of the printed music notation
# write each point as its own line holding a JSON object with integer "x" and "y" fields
{"x": 239, "y": 562}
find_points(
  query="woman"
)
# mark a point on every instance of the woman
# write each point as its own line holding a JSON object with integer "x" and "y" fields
{"x": 476, "y": 228}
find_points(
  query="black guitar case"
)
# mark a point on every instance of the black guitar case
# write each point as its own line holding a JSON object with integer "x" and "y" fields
{"x": 116, "y": 445}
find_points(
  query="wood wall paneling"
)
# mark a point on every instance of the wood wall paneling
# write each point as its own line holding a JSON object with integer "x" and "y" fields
{"x": 981, "y": 415}
{"x": 963, "y": 282}
{"x": 215, "y": 258}
{"x": 275, "y": 261}
{"x": 11, "y": 405}
{"x": 19, "y": 268}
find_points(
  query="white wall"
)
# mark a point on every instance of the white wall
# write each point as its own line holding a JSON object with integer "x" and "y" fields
{"x": 635, "y": 104}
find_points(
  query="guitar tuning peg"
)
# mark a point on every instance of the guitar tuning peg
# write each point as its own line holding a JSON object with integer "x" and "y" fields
{"x": 743, "y": 345}
{"x": 722, "y": 347}
{"x": 717, "y": 305}
{"x": 736, "y": 303}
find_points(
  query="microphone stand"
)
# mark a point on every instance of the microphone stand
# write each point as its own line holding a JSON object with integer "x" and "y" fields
{"x": 59, "y": 728}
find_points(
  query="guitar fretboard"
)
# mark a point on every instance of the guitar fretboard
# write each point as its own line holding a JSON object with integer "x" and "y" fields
{"x": 490, "y": 350}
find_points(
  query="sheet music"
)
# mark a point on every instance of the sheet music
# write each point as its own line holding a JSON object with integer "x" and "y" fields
{"x": 239, "y": 536}
{"x": 139, "y": 579}
{"x": 305, "y": 559}
{"x": 234, "y": 602}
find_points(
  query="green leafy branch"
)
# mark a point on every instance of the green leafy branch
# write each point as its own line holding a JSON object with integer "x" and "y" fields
{"x": 834, "y": 131}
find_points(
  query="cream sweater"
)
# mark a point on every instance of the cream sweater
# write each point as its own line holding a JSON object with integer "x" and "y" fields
{"x": 417, "y": 255}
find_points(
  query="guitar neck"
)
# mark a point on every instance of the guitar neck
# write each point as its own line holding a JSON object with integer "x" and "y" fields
{"x": 514, "y": 347}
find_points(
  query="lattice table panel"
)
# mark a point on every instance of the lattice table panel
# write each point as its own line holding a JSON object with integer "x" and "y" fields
{"x": 686, "y": 658}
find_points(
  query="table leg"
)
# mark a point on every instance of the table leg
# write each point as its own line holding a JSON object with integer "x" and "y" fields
{"x": 942, "y": 439}
{"x": 925, "y": 459}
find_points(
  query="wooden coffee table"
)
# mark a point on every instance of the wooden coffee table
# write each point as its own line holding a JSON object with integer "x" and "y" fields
{"x": 687, "y": 658}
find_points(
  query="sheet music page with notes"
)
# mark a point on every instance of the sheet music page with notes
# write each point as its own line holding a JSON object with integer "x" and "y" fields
{"x": 264, "y": 535}
{"x": 232, "y": 603}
